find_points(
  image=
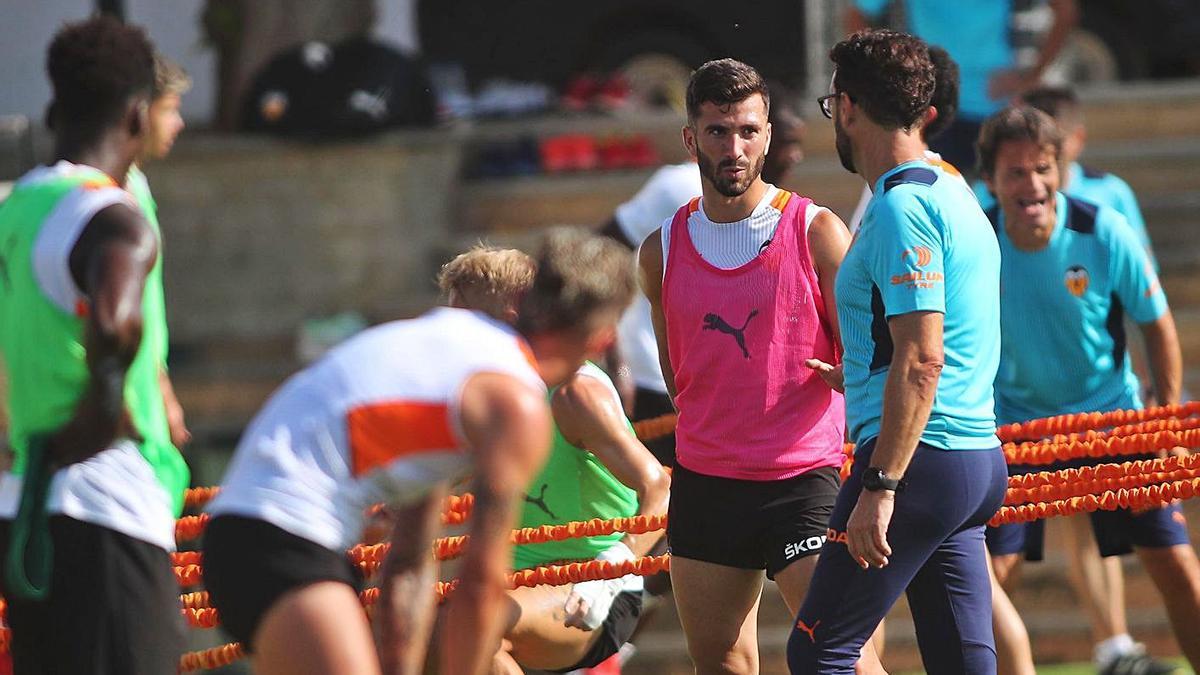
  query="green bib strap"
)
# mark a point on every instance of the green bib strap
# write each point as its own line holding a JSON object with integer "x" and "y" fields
{"x": 30, "y": 549}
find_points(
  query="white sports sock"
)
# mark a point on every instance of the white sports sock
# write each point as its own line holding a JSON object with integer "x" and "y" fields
{"x": 1111, "y": 649}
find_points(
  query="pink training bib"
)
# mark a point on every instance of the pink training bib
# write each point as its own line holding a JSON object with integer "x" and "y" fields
{"x": 748, "y": 406}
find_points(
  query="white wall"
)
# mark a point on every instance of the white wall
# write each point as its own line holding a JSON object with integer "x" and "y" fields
{"x": 26, "y": 27}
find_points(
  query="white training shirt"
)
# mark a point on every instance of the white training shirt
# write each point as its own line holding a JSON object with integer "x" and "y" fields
{"x": 374, "y": 420}
{"x": 116, "y": 488}
{"x": 731, "y": 245}
{"x": 669, "y": 188}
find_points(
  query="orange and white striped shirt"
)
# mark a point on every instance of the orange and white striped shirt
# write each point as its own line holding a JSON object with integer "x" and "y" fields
{"x": 375, "y": 420}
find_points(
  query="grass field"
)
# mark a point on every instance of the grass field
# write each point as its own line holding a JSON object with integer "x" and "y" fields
{"x": 1073, "y": 669}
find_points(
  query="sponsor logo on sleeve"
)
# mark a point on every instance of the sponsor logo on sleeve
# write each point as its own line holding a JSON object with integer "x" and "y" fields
{"x": 917, "y": 256}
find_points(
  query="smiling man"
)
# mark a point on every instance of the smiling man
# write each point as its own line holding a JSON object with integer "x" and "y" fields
{"x": 740, "y": 284}
{"x": 1083, "y": 265}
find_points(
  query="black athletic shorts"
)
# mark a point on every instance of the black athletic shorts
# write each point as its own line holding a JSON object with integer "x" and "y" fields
{"x": 648, "y": 404}
{"x": 249, "y": 564}
{"x": 616, "y": 630}
{"x": 112, "y": 609}
{"x": 750, "y": 524}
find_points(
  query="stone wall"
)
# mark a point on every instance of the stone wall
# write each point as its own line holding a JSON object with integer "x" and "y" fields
{"x": 261, "y": 234}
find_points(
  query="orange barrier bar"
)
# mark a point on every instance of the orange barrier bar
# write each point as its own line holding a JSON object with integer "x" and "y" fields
{"x": 1049, "y": 452}
{"x": 1065, "y": 424}
{"x": 1132, "y": 498}
{"x": 208, "y": 659}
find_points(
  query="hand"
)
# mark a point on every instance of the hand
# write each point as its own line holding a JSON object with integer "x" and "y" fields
{"x": 866, "y": 531}
{"x": 588, "y": 604}
{"x": 1006, "y": 84}
{"x": 180, "y": 434}
{"x": 833, "y": 375}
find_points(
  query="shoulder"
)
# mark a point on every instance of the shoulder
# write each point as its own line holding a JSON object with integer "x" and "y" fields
{"x": 1107, "y": 225}
{"x": 585, "y": 399}
{"x": 922, "y": 176}
{"x": 1100, "y": 220}
{"x": 123, "y": 221}
{"x": 903, "y": 201}
{"x": 1092, "y": 173}
{"x": 650, "y": 253}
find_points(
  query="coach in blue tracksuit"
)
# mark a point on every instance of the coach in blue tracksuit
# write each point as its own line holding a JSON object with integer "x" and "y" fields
{"x": 1071, "y": 271}
{"x": 918, "y": 304}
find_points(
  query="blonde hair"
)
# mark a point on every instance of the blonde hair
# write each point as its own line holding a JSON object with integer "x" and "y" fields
{"x": 169, "y": 77}
{"x": 488, "y": 279}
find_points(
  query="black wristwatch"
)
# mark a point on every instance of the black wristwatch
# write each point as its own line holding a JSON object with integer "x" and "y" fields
{"x": 874, "y": 480}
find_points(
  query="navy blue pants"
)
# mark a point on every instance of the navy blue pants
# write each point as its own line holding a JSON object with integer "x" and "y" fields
{"x": 938, "y": 556}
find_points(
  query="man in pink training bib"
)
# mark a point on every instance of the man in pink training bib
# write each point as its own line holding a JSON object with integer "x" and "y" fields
{"x": 740, "y": 284}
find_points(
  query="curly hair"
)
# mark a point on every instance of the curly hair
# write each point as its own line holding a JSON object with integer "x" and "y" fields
{"x": 96, "y": 68}
{"x": 945, "y": 92}
{"x": 582, "y": 280}
{"x": 1022, "y": 123}
{"x": 887, "y": 73}
{"x": 724, "y": 82}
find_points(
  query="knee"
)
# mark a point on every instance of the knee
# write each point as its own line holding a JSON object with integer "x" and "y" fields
{"x": 735, "y": 660}
{"x": 1004, "y": 567}
{"x": 801, "y": 654}
{"x": 978, "y": 659}
{"x": 1173, "y": 567}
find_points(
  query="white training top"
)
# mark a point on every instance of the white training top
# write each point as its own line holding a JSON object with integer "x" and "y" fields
{"x": 115, "y": 488}
{"x": 669, "y": 188}
{"x": 730, "y": 245}
{"x": 375, "y": 420}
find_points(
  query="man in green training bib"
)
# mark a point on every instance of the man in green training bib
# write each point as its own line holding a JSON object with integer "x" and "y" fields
{"x": 87, "y": 510}
{"x": 596, "y": 469}
{"x": 171, "y": 82}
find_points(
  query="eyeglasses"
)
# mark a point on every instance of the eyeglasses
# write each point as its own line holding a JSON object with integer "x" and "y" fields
{"x": 826, "y": 103}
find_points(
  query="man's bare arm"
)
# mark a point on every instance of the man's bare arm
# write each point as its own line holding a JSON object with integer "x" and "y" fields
{"x": 907, "y": 402}
{"x": 908, "y": 393}
{"x": 404, "y": 614}
{"x": 650, "y": 274}
{"x": 1165, "y": 357}
{"x": 109, "y": 262}
{"x": 507, "y": 425}
{"x": 588, "y": 417}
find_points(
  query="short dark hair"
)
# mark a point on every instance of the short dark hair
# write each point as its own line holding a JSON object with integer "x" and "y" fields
{"x": 724, "y": 82}
{"x": 887, "y": 73}
{"x": 945, "y": 91}
{"x": 1061, "y": 103}
{"x": 96, "y": 67}
{"x": 1015, "y": 123}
